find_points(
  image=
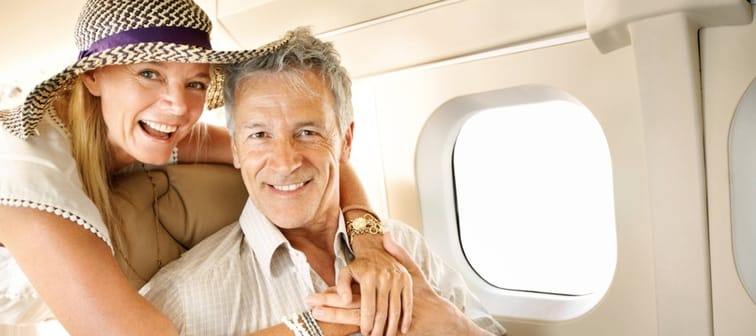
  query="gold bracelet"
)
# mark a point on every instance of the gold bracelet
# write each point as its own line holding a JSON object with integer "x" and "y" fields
{"x": 365, "y": 224}
{"x": 363, "y": 208}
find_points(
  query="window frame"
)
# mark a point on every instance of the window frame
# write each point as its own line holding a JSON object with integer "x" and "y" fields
{"x": 742, "y": 164}
{"x": 438, "y": 205}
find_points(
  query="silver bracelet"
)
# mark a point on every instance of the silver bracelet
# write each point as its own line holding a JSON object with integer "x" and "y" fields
{"x": 295, "y": 326}
{"x": 312, "y": 326}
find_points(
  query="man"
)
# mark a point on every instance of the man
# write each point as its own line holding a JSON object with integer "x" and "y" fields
{"x": 290, "y": 116}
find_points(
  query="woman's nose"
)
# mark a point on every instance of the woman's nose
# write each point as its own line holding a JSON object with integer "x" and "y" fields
{"x": 175, "y": 99}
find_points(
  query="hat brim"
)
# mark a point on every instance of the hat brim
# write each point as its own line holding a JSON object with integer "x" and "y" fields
{"x": 23, "y": 121}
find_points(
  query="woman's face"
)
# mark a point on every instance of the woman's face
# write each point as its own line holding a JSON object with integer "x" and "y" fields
{"x": 148, "y": 107}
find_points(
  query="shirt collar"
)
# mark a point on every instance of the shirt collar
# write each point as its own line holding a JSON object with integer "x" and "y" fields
{"x": 264, "y": 238}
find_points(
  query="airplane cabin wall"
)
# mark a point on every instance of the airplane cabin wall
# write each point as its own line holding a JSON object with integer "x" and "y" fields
{"x": 605, "y": 83}
{"x": 405, "y": 100}
{"x": 645, "y": 90}
{"x": 727, "y": 69}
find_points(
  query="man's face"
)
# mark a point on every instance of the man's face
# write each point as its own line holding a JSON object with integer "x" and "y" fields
{"x": 288, "y": 147}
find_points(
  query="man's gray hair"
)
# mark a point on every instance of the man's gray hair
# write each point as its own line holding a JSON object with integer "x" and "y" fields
{"x": 303, "y": 52}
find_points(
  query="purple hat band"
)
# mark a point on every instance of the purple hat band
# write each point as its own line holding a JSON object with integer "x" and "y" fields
{"x": 178, "y": 35}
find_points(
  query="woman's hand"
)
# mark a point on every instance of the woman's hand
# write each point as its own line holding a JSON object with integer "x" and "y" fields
{"x": 385, "y": 287}
{"x": 330, "y": 307}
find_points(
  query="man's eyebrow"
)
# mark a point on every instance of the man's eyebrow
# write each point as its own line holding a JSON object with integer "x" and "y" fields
{"x": 252, "y": 124}
{"x": 308, "y": 123}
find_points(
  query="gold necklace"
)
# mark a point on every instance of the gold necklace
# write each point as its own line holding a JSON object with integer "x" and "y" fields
{"x": 156, "y": 213}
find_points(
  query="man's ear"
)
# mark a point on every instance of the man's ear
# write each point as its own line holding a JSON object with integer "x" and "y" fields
{"x": 346, "y": 147}
{"x": 90, "y": 81}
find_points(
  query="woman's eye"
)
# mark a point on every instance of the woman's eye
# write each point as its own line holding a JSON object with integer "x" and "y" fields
{"x": 198, "y": 85}
{"x": 149, "y": 74}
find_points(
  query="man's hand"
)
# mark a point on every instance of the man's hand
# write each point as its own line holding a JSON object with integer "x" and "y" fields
{"x": 385, "y": 288}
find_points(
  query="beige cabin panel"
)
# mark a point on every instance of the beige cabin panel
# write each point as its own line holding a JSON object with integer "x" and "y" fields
{"x": 727, "y": 68}
{"x": 606, "y": 84}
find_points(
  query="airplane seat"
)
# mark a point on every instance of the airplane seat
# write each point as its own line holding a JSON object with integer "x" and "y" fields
{"x": 193, "y": 201}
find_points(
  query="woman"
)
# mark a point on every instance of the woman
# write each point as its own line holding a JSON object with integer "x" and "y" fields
{"x": 133, "y": 97}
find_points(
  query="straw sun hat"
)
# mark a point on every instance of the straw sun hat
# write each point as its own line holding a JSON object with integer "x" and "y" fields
{"x": 126, "y": 32}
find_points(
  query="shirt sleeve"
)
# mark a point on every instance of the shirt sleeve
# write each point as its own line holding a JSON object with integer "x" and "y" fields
{"x": 165, "y": 295}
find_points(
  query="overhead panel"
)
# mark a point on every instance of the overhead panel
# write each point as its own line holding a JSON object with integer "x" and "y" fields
{"x": 252, "y": 23}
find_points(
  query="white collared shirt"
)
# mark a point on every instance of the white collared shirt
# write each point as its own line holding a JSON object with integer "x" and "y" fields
{"x": 247, "y": 276}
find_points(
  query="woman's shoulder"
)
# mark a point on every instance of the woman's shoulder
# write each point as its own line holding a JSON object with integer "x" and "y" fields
{"x": 29, "y": 160}
{"x": 40, "y": 172}
{"x": 51, "y": 142}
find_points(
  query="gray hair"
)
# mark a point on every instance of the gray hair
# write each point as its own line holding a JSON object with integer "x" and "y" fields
{"x": 303, "y": 52}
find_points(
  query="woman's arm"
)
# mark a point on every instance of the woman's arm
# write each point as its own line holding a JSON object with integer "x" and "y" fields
{"x": 327, "y": 328}
{"x": 76, "y": 275}
{"x": 385, "y": 285}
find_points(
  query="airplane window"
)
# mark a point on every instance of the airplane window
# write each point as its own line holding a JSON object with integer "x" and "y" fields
{"x": 743, "y": 188}
{"x": 534, "y": 198}
{"x": 516, "y": 193}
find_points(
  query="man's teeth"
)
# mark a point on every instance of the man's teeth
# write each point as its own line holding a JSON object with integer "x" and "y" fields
{"x": 160, "y": 127}
{"x": 289, "y": 187}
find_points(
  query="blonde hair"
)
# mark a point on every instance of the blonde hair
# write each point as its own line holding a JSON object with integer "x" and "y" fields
{"x": 90, "y": 149}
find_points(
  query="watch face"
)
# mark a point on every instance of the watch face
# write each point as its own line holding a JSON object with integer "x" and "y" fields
{"x": 359, "y": 223}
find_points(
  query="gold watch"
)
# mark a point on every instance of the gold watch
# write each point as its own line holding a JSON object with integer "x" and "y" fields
{"x": 365, "y": 224}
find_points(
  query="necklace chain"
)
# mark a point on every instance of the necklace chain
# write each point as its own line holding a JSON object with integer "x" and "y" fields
{"x": 156, "y": 213}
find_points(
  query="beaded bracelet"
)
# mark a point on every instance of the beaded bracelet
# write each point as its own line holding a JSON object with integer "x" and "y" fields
{"x": 303, "y": 324}
{"x": 312, "y": 326}
{"x": 295, "y": 326}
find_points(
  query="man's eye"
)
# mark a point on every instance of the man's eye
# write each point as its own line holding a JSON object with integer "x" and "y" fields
{"x": 306, "y": 132}
{"x": 258, "y": 135}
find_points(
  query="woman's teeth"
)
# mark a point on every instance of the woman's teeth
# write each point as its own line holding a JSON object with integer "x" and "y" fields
{"x": 160, "y": 127}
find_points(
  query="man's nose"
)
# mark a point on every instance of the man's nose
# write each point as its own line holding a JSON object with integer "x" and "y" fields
{"x": 285, "y": 157}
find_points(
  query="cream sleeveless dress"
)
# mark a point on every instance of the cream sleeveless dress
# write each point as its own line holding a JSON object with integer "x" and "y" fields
{"x": 39, "y": 173}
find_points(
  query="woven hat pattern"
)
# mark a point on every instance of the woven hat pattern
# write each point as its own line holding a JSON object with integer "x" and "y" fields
{"x": 100, "y": 19}
{"x": 103, "y": 18}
